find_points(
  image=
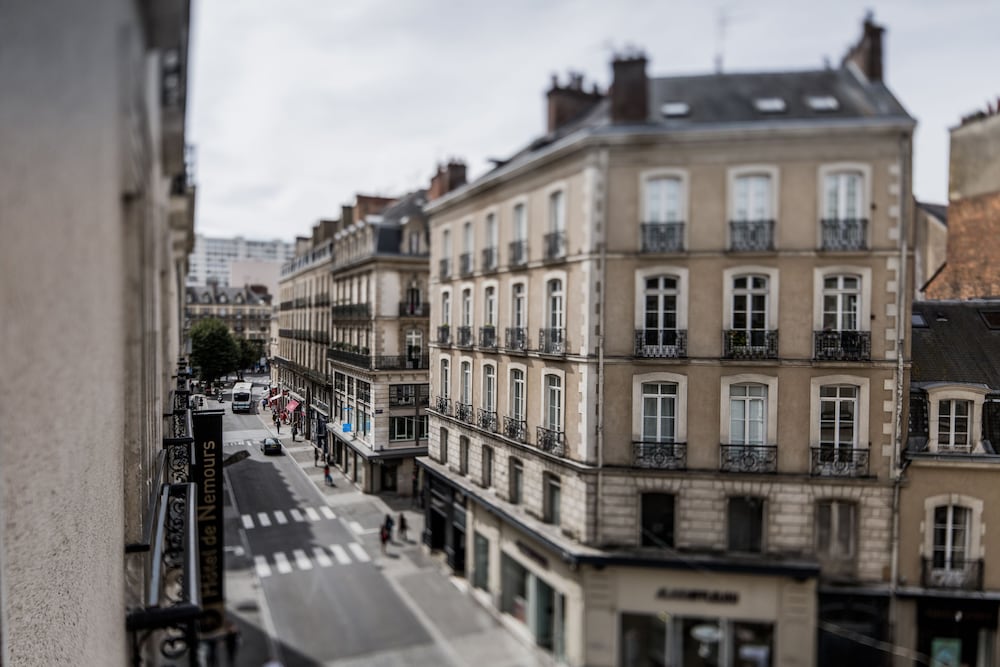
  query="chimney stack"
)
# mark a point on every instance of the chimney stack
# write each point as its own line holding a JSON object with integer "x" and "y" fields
{"x": 629, "y": 88}
{"x": 447, "y": 178}
{"x": 867, "y": 53}
{"x": 568, "y": 103}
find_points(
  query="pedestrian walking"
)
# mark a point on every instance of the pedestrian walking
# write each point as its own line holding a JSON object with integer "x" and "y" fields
{"x": 295, "y": 431}
{"x": 315, "y": 456}
{"x": 327, "y": 479}
{"x": 402, "y": 527}
{"x": 232, "y": 640}
{"x": 388, "y": 526}
{"x": 277, "y": 423}
{"x": 384, "y": 537}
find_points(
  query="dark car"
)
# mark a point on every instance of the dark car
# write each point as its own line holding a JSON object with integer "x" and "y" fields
{"x": 270, "y": 446}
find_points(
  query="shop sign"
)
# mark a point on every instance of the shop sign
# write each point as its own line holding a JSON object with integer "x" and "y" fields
{"x": 945, "y": 652}
{"x": 532, "y": 554}
{"x": 207, "y": 475}
{"x": 698, "y": 595}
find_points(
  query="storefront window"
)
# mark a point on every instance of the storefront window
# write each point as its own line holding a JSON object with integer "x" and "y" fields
{"x": 701, "y": 641}
{"x": 752, "y": 644}
{"x": 662, "y": 640}
{"x": 514, "y": 600}
{"x": 644, "y": 640}
{"x": 481, "y": 562}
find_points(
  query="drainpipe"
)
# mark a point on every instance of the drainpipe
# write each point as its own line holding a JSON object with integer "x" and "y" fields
{"x": 602, "y": 323}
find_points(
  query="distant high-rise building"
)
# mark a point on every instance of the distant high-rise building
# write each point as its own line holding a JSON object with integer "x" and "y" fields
{"x": 212, "y": 256}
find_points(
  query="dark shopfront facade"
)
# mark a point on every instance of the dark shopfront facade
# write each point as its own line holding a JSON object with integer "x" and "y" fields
{"x": 844, "y": 618}
{"x": 445, "y": 519}
{"x": 957, "y": 631}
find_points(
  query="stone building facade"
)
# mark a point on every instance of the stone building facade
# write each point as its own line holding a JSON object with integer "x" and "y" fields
{"x": 246, "y": 310}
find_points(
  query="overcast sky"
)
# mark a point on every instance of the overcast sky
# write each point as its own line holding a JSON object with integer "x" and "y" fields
{"x": 295, "y": 106}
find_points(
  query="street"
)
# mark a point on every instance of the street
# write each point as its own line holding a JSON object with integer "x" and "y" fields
{"x": 306, "y": 581}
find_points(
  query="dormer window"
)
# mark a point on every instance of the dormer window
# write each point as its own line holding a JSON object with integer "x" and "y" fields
{"x": 769, "y": 104}
{"x": 206, "y": 298}
{"x": 222, "y": 298}
{"x": 822, "y": 102}
{"x": 675, "y": 109}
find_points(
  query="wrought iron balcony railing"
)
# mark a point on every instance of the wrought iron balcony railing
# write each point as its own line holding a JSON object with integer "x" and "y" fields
{"x": 555, "y": 245}
{"x": 550, "y": 440}
{"x": 661, "y": 343}
{"x": 659, "y": 455}
{"x": 465, "y": 264}
{"x": 442, "y": 404}
{"x": 516, "y": 339}
{"x": 488, "y": 337}
{"x": 463, "y": 336}
{"x": 961, "y": 574}
{"x": 842, "y": 345}
{"x": 490, "y": 259}
{"x": 402, "y": 362}
{"x": 464, "y": 412}
{"x": 515, "y": 429}
{"x": 444, "y": 335}
{"x": 751, "y": 235}
{"x": 832, "y": 461}
{"x": 748, "y": 458}
{"x": 487, "y": 420}
{"x": 348, "y": 357}
{"x": 749, "y": 344}
{"x": 518, "y": 254}
{"x": 844, "y": 233}
{"x": 663, "y": 237}
{"x": 407, "y": 309}
{"x": 552, "y": 341}
{"x": 351, "y": 310}
{"x": 444, "y": 267}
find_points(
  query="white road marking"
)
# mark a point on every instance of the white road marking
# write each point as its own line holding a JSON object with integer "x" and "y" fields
{"x": 263, "y": 519}
{"x": 321, "y": 558}
{"x": 340, "y": 554}
{"x": 235, "y": 550}
{"x": 281, "y": 562}
{"x": 279, "y": 516}
{"x": 358, "y": 552}
{"x": 302, "y": 560}
{"x": 247, "y": 521}
{"x": 263, "y": 569}
{"x": 297, "y": 515}
{"x": 327, "y": 512}
{"x": 356, "y": 527}
{"x": 312, "y": 514}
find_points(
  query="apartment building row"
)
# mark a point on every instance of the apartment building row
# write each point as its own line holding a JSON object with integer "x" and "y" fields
{"x": 246, "y": 310}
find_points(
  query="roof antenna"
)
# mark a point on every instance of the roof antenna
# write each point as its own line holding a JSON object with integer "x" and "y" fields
{"x": 721, "y": 19}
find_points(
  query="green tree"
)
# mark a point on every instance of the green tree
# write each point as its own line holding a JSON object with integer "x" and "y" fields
{"x": 250, "y": 351}
{"x": 213, "y": 349}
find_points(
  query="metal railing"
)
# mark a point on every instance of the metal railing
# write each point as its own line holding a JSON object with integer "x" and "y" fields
{"x": 402, "y": 362}
{"x": 663, "y": 237}
{"x": 351, "y": 310}
{"x": 552, "y": 341}
{"x": 465, "y": 264}
{"x": 518, "y": 253}
{"x": 842, "y": 345}
{"x": 659, "y": 455}
{"x": 838, "y": 462}
{"x": 555, "y": 245}
{"x": 444, "y": 335}
{"x": 661, "y": 343}
{"x": 442, "y": 404}
{"x": 749, "y": 344}
{"x": 844, "y": 233}
{"x": 550, "y": 440}
{"x": 489, "y": 259}
{"x": 516, "y": 339}
{"x": 488, "y": 337}
{"x": 463, "y": 336}
{"x": 352, "y": 358}
{"x": 748, "y": 458}
{"x": 444, "y": 267}
{"x": 407, "y": 309}
{"x": 487, "y": 420}
{"x": 515, "y": 429}
{"x": 464, "y": 412}
{"x": 961, "y": 574}
{"x": 751, "y": 235}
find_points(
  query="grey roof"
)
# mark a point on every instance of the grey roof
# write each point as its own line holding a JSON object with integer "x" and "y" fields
{"x": 389, "y": 231}
{"x": 939, "y": 211}
{"x": 956, "y": 345}
{"x": 217, "y": 291}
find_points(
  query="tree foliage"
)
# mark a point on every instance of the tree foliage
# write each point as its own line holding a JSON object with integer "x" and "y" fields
{"x": 250, "y": 352}
{"x": 213, "y": 349}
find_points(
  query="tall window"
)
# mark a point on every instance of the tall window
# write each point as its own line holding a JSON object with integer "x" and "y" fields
{"x": 747, "y": 410}
{"x": 466, "y": 383}
{"x": 750, "y": 306}
{"x": 491, "y": 231}
{"x": 841, "y": 303}
{"x": 552, "y": 499}
{"x": 520, "y": 224}
{"x": 516, "y": 491}
{"x": 443, "y": 446}
{"x": 557, "y": 211}
{"x": 414, "y": 238}
{"x": 446, "y": 256}
{"x": 843, "y": 195}
{"x": 553, "y": 403}
{"x": 659, "y": 412}
{"x": 752, "y": 198}
{"x": 489, "y": 388}
{"x": 445, "y": 377}
{"x": 487, "y": 466}
{"x": 518, "y": 306}
{"x": 467, "y": 308}
{"x": 517, "y": 394}
{"x": 660, "y": 316}
{"x": 838, "y": 417}
{"x": 664, "y": 201}
{"x": 490, "y": 306}
{"x": 953, "y": 424}
{"x": 446, "y": 308}
{"x": 657, "y": 517}
{"x": 463, "y": 455}
{"x": 467, "y": 238}
{"x": 835, "y": 529}
{"x": 555, "y": 301}
{"x": 951, "y": 537}
{"x": 414, "y": 345}
{"x": 746, "y": 524}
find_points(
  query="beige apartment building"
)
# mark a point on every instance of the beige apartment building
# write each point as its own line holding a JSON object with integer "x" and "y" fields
{"x": 246, "y": 310}
{"x": 669, "y": 366}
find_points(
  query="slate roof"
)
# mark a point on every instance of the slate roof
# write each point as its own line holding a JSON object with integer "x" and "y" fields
{"x": 956, "y": 345}
{"x": 939, "y": 211}
{"x": 389, "y": 231}
{"x": 249, "y": 296}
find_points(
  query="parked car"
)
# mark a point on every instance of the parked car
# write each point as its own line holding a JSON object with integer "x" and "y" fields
{"x": 270, "y": 446}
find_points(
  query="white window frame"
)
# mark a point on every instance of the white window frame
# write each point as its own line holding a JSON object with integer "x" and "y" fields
{"x": 524, "y": 391}
{"x": 555, "y": 201}
{"x": 975, "y": 530}
{"x": 770, "y": 415}
{"x": 820, "y": 274}
{"x": 677, "y": 272}
{"x": 773, "y": 290}
{"x": 444, "y": 385}
{"x": 445, "y": 307}
{"x": 446, "y": 251}
{"x": 680, "y": 423}
{"x": 547, "y": 406}
{"x": 861, "y": 434}
{"x": 555, "y": 303}
{"x": 954, "y": 392}
{"x": 865, "y": 193}
{"x": 467, "y": 305}
{"x": 489, "y": 370}
{"x": 519, "y": 232}
{"x": 736, "y": 173}
{"x": 491, "y": 232}
{"x": 491, "y": 306}
{"x": 681, "y": 176}
{"x": 513, "y": 303}
{"x": 468, "y": 237}
{"x": 465, "y": 380}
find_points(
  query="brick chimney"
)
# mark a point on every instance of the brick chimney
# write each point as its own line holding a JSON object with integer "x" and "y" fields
{"x": 567, "y": 103}
{"x": 447, "y": 178}
{"x": 629, "y": 88}
{"x": 867, "y": 53}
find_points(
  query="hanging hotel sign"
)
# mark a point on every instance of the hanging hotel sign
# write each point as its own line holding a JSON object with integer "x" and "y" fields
{"x": 207, "y": 475}
{"x": 697, "y": 595}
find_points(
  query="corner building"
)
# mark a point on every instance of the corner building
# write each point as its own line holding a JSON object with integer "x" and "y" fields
{"x": 666, "y": 368}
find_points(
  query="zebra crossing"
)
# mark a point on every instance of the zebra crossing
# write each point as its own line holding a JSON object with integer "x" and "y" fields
{"x": 294, "y": 515}
{"x": 281, "y": 563}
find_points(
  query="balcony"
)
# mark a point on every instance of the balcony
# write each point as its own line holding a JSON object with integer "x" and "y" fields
{"x": 464, "y": 412}
{"x": 749, "y": 344}
{"x": 516, "y": 339}
{"x": 663, "y": 237}
{"x": 751, "y": 235}
{"x": 465, "y": 264}
{"x": 965, "y": 575}
{"x": 463, "y": 336}
{"x": 555, "y": 246}
{"x": 398, "y": 362}
{"x": 444, "y": 267}
{"x": 490, "y": 259}
{"x": 552, "y": 341}
{"x": 444, "y": 335}
{"x": 351, "y": 310}
{"x": 518, "y": 254}
{"x": 488, "y": 337}
{"x": 748, "y": 458}
{"x": 407, "y": 309}
{"x": 832, "y": 461}
{"x": 842, "y": 345}
{"x": 487, "y": 420}
{"x": 359, "y": 359}
{"x": 659, "y": 455}
{"x": 844, "y": 234}
{"x": 442, "y": 404}
{"x": 515, "y": 429}
{"x": 661, "y": 343}
{"x": 551, "y": 441}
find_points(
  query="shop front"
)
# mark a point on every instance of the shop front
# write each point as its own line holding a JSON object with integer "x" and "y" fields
{"x": 957, "y": 631}
{"x": 445, "y": 519}
{"x": 852, "y": 628}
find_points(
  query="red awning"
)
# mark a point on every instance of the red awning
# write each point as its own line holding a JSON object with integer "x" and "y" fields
{"x": 291, "y": 405}
{"x": 273, "y": 399}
